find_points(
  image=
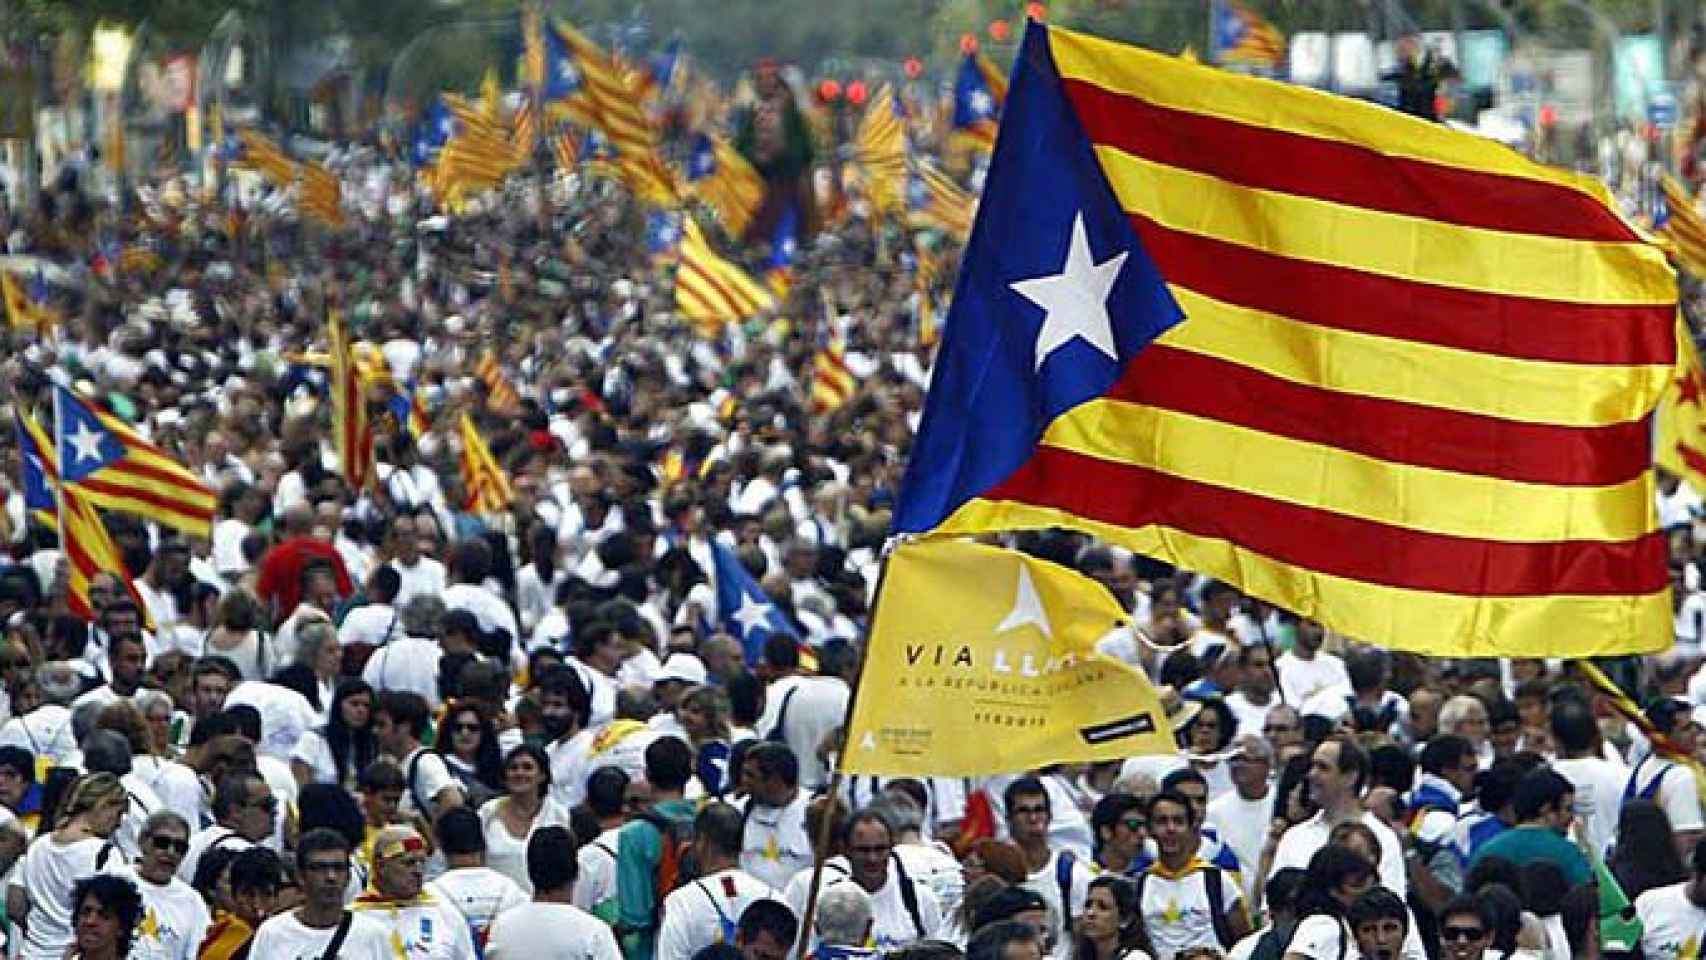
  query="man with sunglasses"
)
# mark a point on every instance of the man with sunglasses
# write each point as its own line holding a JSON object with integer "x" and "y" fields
{"x": 1673, "y": 918}
{"x": 174, "y": 918}
{"x": 1466, "y": 929}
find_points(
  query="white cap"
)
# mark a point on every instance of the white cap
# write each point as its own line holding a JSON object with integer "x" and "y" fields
{"x": 682, "y": 668}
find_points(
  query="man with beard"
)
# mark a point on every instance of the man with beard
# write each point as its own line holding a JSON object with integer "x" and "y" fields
{"x": 564, "y": 705}
{"x": 165, "y": 579}
{"x": 127, "y": 655}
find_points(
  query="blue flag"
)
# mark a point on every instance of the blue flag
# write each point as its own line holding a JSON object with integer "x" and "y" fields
{"x": 38, "y": 490}
{"x": 1055, "y": 294}
{"x": 85, "y": 446}
{"x": 748, "y": 613}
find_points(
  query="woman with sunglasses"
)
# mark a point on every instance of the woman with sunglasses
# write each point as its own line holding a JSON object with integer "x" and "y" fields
{"x": 471, "y": 753}
{"x": 509, "y": 820}
{"x": 108, "y": 910}
{"x": 338, "y": 752}
{"x": 77, "y": 847}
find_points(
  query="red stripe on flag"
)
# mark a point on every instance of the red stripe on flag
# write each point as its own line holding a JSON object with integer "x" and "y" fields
{"x": 1279, "y": 160}
{"x": 1332, "y": 543}
{"x": 164, "y": 503}
{"x": 1521, "y": 328}
{"x": 1392, "y": 430}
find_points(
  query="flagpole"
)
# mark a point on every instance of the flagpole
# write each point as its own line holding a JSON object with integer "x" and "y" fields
{"x": 820, "y": 846}
{"x": 59, "y": 484}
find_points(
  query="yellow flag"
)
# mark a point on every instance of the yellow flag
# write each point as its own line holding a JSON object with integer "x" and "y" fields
{"x": 983, "y": 660}
{"x": 1679, "y": 443}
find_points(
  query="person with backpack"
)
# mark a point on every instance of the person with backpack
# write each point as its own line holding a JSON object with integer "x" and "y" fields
{"x": 1185, "y": 901}
{"x": 400, "y": 721}
{"x": 903, "y": 907}
{"x": 653, "y": 851}
{"x": 1664, "y": 781}
{"x": 706, "y": 909}
{"x": 775, "y": 845}
{"x": 1058, "y": 876}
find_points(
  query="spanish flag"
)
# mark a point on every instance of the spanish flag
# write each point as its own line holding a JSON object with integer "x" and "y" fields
{"x": 983, "y": 660}
{"x": 1387, "y": 375}
{"x": 484, "y": 481}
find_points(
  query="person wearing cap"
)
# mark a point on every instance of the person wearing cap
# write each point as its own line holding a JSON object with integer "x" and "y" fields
{"x": 1666, "y": 782}
{"x": 678, "y": 674}
{"x": 427, "y": 927}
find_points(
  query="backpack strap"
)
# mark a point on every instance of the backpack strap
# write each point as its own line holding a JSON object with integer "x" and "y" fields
{"x": 339, "y": 937}
{"x": 725, "y": 926}
{"x": 103, "y": 855}
{"x": 778, "y": 733}
{"x": 1063, "y": 879}
{"x": 1217, "y": 906}
{"x": 409, "y": 782}
{"x": 908, "y": 895}
{"x": 1631, "y": 790}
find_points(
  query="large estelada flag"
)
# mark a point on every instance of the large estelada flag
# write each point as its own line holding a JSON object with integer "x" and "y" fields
{"x": 103, "y": 460}
{"x": 1372, "y": 370}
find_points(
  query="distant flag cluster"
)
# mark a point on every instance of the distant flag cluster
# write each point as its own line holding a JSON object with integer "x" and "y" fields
{"x": 320, "y": 196}
{"x": 1243, "y": 36}
{"x": 722, "y": 179}
{"x": 1679, "y": 223}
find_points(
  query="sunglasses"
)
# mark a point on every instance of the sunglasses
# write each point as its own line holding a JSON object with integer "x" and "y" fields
{"x": 170, "y": 845}
{"x": 1134, "y": 824}
{"x": 467, "y": 728}
{"x": 1449, "y": 934}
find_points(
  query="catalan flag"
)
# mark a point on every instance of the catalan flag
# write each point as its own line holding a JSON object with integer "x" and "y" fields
{"x": 1242, "y": 35}
{"x": 500, "y": 393}
{"x": 322, "y": 195}
{"x": 712, "y": 292}
{"x": 977, "y": 104}
{"x": 109, "y": 464}
{"x": 935, "y": 202}
{"x": 747, "y": 612}
{"x": 784, "y": 249}
{"x": 663, "y": 235}
{"x": 615, "y": 107}
{"x": 88, "y": 547}
{"x": 27, "y": 307}
{"x": 480, "y": 153}
{"x": 723, "y": 180}
{"x": 1678, "y": 221}
{"x": 564, "y": 147}
{"x": 409, "y": 410}
{"x": 351, "y": 430}
{"x": 1679, "y": 435}
{"x": 832, "y": 383}
{"x": 1387, "y": 375}
{"x": 484, "y": 481}
{"x": 880, "y": 148}
{"x": 925, "y": 278}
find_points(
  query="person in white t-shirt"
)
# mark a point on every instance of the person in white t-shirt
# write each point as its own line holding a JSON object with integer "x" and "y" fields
{"x": 40, "y": 889}
{"x": 379, "y": 620}
{"x": 1673, "y": 918}
{"x": 426, "y": 927}
{"x": 1061, "y": 878}
{"x": 705, "y": 910}
{"x": 775, "y": 845}
{"x": 473, "y": 889}
{"x": 1338, "y": 774}
{"x": 1599, "y": 782}
{"x": 399, "y": 722}
{"x": 1241, "y": 816}
{"x": 1671, "y": 785}
{"x": 550, "y": 927}
{"x": 1336, "y": 877}
{"x": 420, "y": 575}
{"x": 308, "y": 932}
{"x": 904, "y": 909}
{"x": 175, "y": 918}
{"x": 1306, "y": 669}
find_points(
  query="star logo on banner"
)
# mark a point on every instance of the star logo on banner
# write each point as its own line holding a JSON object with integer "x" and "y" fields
{"x": 86, "y": 443}
{"x": 1075, "y": 300}
{"x": 1027, "y": 607}
{"x": 982, "y": 104}
{"x": 752, "y": 614}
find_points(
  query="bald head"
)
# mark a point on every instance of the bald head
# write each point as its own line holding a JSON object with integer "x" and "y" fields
{"x": 298, "y": 521}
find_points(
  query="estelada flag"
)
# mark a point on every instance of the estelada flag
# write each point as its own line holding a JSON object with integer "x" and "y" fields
{"x": 1679, "y": 440}
{"x": 1381, "y": 373}
{"x": 983, "y": 660}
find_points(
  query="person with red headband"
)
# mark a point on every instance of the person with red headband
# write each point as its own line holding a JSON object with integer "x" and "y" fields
{"x": 427, "y": 927}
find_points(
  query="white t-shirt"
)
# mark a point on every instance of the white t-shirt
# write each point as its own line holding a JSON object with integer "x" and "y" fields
{"x": 550, "y": 931}
{"x": 479, "y": 894}
{"x": 425, "y": 578}
{"x": 489, "y": 610}
{"x": 1599, "y": 796}
{"x": 596, "y": 881}
{"x": 223, "y": 838}
{"x": 1676, "y": 792}
{"x": 1243, "y": 826}
{"x": 1045, "y": 883}
{"x": 1320, "y": 937}
{"x": 285, "y": 715}
{"x": 775, "y": 845}
{"x": 174, "y": 919}
{"x": 1302, "y": 841}
{"x": 409, "y": 664}
{"x": 372, "y": 624}
{"x": 1302, "y": 679}
{"x": 313, "y": 752}
{"x": 1672, "y": 927}
{"x": 429, "y": 930}
{"x": 815, "y": 706}
{"x": 705, "y": 912}
{"x": 892, "y": 924}
{"x": 1176, "y": 911}
{"x": 283, "y": 937}
{"x": 49, "y": 871}
{"x": 506, "y": 853}
{"x": 176, "y": 785}
{"x": 568, "y": 767}
{"x": 425, "y": 778}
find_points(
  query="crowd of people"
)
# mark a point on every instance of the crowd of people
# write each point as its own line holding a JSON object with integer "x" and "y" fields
{"x": 376, "y": 723}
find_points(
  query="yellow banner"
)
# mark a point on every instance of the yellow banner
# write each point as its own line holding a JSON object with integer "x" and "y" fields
{"x": 983, "y": 660}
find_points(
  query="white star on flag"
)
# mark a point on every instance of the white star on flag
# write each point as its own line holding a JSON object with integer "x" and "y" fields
{"x": 751, "y": 614}
{"x": 1027, "y": 607}
{"x": 982, "y": 104}
{"x": 1075, "y": 299}
{"x": 87, "y": 444}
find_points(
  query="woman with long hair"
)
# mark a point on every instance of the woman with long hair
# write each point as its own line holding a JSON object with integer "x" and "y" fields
{"x": 77, "y": 847}
{"x": 338, "y": 752}
{"x": 1645, "y": 855}
{"x": 107, "y": 911}
{"x": 527, "y": 805}
{"x": 703, "y": 713}
{"x": 1336, "y": 877}
{"x": 1207, "y": 735}
{"x": 1111, "y": 928}
{"x": 469, "y": 745}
